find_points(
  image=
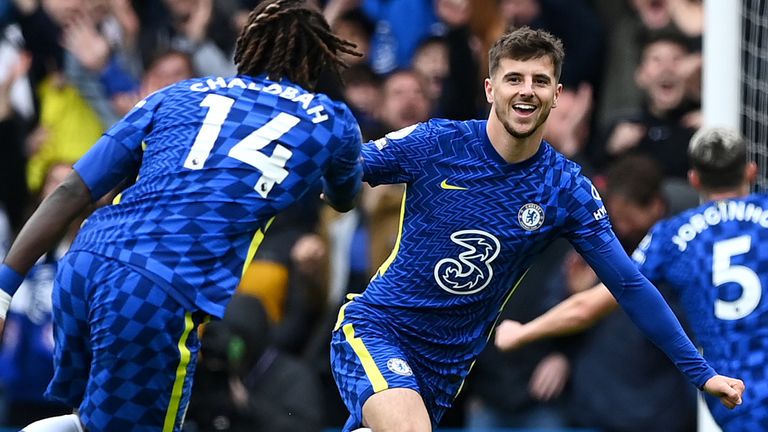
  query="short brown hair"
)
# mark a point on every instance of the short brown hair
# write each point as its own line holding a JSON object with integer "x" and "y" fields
{"x": 525, "y": 43}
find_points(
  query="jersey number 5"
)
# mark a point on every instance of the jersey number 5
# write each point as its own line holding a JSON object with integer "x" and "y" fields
{"x": 724, "y": 272}
{"x": 249, "y": 149}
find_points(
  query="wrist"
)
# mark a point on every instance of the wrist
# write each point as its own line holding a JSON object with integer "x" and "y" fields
{"x": 10, "y": 280}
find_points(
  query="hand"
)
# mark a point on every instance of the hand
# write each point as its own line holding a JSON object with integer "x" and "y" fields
{"x": 549, "y": 377}
{"x": 508, "y": 335}
{"x": 126, "y": 17}
{"x": 83, "y": 40}
{"x": 196, "y": 26}
{"x": 625, "y": 136}
{"x": 308, "y": 254}
{"x": 728, "y": 390}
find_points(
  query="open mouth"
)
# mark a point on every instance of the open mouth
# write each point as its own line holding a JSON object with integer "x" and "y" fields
{"x": 524, "y": 109}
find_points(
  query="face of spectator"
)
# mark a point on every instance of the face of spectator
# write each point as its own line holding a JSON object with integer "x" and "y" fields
{"x": 166, "y": 71}
{"x": 661, "y": 74}
{"x": 519, "y": 12}
{"x": 353, "y": 32}
{"x": 653, "y": 13}
{"x": 522, "y": 93}
{"x": 363, "y": 97}
{"x": 431, "y": 61}
{"x": 631, "y": 221}
{"x": 181, "y": 9}
{"x": 405, "y": 101}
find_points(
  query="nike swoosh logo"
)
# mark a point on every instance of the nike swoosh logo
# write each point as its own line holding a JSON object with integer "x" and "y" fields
{"x": 447, "y": 186}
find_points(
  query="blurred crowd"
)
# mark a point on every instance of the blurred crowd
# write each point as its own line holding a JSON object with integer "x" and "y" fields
{"x": 69, "y": 69}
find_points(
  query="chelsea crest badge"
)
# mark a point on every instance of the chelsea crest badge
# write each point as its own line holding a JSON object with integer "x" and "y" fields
{"x": 530, "y": 217}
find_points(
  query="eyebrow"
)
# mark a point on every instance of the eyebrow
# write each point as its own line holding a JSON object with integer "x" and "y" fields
{"x": 535, "y": 76}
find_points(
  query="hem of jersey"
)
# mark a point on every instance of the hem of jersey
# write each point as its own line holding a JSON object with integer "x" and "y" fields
{"x": 186, "y": 302}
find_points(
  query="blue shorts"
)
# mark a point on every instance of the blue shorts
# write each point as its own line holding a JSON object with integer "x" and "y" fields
{"x": 125, "y": 351}
{"x": 367, "y": 357}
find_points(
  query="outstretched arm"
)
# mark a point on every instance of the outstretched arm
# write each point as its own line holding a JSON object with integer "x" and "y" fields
{"x": 649, "y": 311}
{"x": 41, "y": 233}
{"x": 572, "y": 315}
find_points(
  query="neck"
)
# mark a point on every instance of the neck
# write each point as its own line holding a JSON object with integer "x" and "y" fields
{"x": 510, "y": 148}
{"x": 724, "y": 194}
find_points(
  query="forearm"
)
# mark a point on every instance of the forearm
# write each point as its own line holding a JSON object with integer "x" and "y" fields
{"x": 574, "y": 314}
{"x": 48, "y": 223}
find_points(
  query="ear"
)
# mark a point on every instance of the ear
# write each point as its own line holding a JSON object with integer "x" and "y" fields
{"x": 558, "y": 92}
{"x": 694, "y": 180}
{"x": 488, "y": 91}
{"x": 750, "y": 173}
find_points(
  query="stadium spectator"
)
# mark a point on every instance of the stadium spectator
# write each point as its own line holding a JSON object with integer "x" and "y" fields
{"x": 575, "y": 23}
{"x": 665, "y": 122}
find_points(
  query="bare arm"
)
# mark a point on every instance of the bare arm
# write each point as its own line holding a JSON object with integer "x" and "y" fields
{"x": 46, "y": 227}
{"x": 572, "y": 315}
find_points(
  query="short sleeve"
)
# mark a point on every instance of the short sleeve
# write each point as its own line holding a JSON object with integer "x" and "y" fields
{"x": 117, "y": 153}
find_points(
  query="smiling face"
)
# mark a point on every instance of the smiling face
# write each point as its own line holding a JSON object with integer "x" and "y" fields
{"x": 660, "y": 74}
{"x": 522, "y": 93}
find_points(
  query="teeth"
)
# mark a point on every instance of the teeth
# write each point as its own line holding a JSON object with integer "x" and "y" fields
{"x": 525, "y": 106}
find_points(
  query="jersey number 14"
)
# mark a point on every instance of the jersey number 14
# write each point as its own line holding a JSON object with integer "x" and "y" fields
{"x": 249, "y": 149}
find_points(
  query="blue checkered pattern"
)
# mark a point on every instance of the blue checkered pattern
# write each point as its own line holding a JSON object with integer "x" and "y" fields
{"x": 192, "y": 228}
{"x": 117, "y": 350}
{"x": 736, "y": 347}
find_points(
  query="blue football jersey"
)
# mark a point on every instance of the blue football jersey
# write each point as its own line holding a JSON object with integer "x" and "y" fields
{"x": 217, "y": 158}
{"x": 471, "y": 225}
{"x": 715, "y": 258}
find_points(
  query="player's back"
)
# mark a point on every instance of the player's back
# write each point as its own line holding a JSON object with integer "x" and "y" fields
{"x": 714, "y": 256}
{"x": 221, "y": 156}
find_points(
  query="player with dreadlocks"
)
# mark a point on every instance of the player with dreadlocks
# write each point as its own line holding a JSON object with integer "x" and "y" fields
{"x": 217, "y": 158}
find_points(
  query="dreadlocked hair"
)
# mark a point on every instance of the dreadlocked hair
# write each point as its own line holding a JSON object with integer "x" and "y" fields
{"x": 288, "y": 39}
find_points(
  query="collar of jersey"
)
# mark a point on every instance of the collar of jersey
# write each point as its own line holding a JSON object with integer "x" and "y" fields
{"x": 491, "y": 152}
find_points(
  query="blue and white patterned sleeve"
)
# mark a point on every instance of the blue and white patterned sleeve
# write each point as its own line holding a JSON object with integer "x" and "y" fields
{"x": 587, "y": 223}
{"x": 117, "y": 153}
{"x": 342, "y": 179}
{"x": 396, "y": 157}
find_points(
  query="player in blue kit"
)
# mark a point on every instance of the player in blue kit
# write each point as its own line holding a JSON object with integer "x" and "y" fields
{"x": 217, "y": 158}
{"x": 482, "y": 199}
{"x": 711, "y": 256}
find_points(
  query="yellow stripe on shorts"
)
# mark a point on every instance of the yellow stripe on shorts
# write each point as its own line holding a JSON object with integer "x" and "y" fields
{"x": 181, "y": 375}
{"x": 371, "y": 370}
